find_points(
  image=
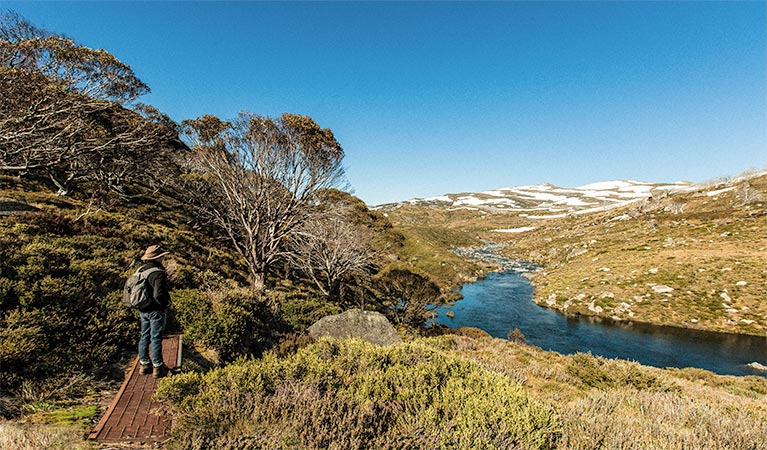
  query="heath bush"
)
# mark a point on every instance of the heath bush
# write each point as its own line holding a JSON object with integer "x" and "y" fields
{"x": 353, "y": 395}
{"x": 233, "y": 322}
{"x": 302, "y": 310}
{"x": 60, "y": 306}
{"x": 602, "y": 373}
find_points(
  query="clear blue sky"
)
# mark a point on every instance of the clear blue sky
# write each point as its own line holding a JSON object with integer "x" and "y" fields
{"x": 432, "y": 98}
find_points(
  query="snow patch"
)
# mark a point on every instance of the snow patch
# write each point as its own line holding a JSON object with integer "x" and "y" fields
{"x": 720, "y": 191}
{"x": 542, "y": 198}
{"x": 515, "y": 230}
{"x": 468, "y": 200}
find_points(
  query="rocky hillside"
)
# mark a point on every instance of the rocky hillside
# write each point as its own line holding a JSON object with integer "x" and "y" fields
{"x": 681, "y": 255}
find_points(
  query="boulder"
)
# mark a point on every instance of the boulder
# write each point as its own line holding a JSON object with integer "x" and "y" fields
{"x": 369, "y": 326}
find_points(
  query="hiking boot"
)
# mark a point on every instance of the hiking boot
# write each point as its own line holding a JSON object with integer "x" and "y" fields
{"x": 160, "y": 371}
{"x": 145, "y": 369}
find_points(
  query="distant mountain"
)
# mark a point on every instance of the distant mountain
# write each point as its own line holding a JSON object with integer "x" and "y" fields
{"x": 549, "y": 201}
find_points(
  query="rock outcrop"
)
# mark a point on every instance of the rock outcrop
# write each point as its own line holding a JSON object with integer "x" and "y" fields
{"x": 369, "y": 326}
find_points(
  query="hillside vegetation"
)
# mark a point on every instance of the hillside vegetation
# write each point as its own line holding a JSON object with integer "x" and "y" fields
{"x": 689, "y": 259}
{"x": 460, "y": 392}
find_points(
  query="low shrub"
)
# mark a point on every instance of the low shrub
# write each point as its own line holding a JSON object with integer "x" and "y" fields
{"x": 471, "y": 332}
{"x": 301, "y": 311}
{"x": 601, "y": 373}
{"x": 353, "y": 395}
{"x": 747, "y": 386}
{"x": 233, "y": 322}
{"x": 61, "y": 279}
{"x": 60, "y": 307}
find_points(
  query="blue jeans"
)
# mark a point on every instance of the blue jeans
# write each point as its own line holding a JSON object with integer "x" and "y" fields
{"x": 152, "y": 326}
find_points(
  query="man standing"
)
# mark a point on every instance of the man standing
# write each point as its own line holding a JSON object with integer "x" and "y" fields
{"x": 153, "y": 317}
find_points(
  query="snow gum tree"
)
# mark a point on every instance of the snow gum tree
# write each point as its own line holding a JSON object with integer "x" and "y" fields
{"x": 331, "y": 247}
{"x": 409, "y": 297}
{"x": 257, "y": 179}
{"x": 63, "y": 113}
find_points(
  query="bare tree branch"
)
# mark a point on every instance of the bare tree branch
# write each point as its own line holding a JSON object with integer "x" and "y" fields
{"x": 62, "y": 115}
{"x": 256, "y": 178}
{"x": 330, "y": 247}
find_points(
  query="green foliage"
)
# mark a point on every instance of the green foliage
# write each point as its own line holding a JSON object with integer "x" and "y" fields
{"x": 603, "y": 374}
{"x": 292, "y": 343}
{"x": 21, "y": 336}
{"x": 301, "y": 311}
{"x": 60, "y": 302}
{"x": 407, "y": 296}
{"x": 232, "y": 322}
{"x": 80, "y": 415}
{"x": 353, "y": 395}
{"x": 181, "y": 388}
{"x": 61, "y": 282}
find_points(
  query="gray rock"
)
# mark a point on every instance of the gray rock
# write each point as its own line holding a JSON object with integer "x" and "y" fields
{"x": 369, "y": 326}
{"x": 755, "y": 365}
{"x": 662, "y": 289}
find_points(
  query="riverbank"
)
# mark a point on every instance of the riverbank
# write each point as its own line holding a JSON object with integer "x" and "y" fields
{"x": 489, "y": 254}
{"x": 503, "y": 302}
{"x": 622, "y": 303}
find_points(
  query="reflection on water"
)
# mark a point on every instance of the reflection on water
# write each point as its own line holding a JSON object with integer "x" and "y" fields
{"x": 503, "y": 301}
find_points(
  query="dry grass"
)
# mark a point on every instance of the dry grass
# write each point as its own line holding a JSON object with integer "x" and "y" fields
{"x": 19, "y": 437}
{"x": 615, "y": 404}
{"x": 630, "y": 419}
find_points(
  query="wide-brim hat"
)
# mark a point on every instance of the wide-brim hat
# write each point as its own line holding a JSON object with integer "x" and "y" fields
{"x": 153, "y": 252}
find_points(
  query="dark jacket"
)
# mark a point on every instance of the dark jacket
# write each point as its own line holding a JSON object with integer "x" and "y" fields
{"x": 157, "y": 288}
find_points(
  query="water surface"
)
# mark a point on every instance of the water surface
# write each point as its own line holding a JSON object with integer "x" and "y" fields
{"x": 503, "y": 301}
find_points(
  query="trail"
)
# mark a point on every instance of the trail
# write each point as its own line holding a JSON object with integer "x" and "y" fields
{"x": 133, "y": 416}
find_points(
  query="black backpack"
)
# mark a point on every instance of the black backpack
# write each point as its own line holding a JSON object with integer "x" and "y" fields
{"x": 134, "y": 293}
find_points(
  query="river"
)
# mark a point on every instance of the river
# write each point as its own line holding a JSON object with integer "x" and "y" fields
{"x": 503, "y": 301}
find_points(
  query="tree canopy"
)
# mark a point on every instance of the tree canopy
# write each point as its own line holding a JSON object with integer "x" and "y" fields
{"x": 65, "y": 112}
{"x": 257, "y": 178}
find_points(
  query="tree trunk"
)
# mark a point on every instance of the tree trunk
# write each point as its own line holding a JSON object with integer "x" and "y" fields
{"x": 258, "y": 282}
{"x": 334, "y": 290}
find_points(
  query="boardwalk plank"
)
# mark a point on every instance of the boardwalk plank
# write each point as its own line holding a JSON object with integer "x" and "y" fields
{"x": 132, "y": 415}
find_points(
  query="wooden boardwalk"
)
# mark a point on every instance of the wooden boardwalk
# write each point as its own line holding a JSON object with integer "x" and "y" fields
{"x": 133, "y": 416}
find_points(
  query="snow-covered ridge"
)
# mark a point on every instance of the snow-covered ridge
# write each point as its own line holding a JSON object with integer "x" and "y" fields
{"x": 546, "y": 200}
